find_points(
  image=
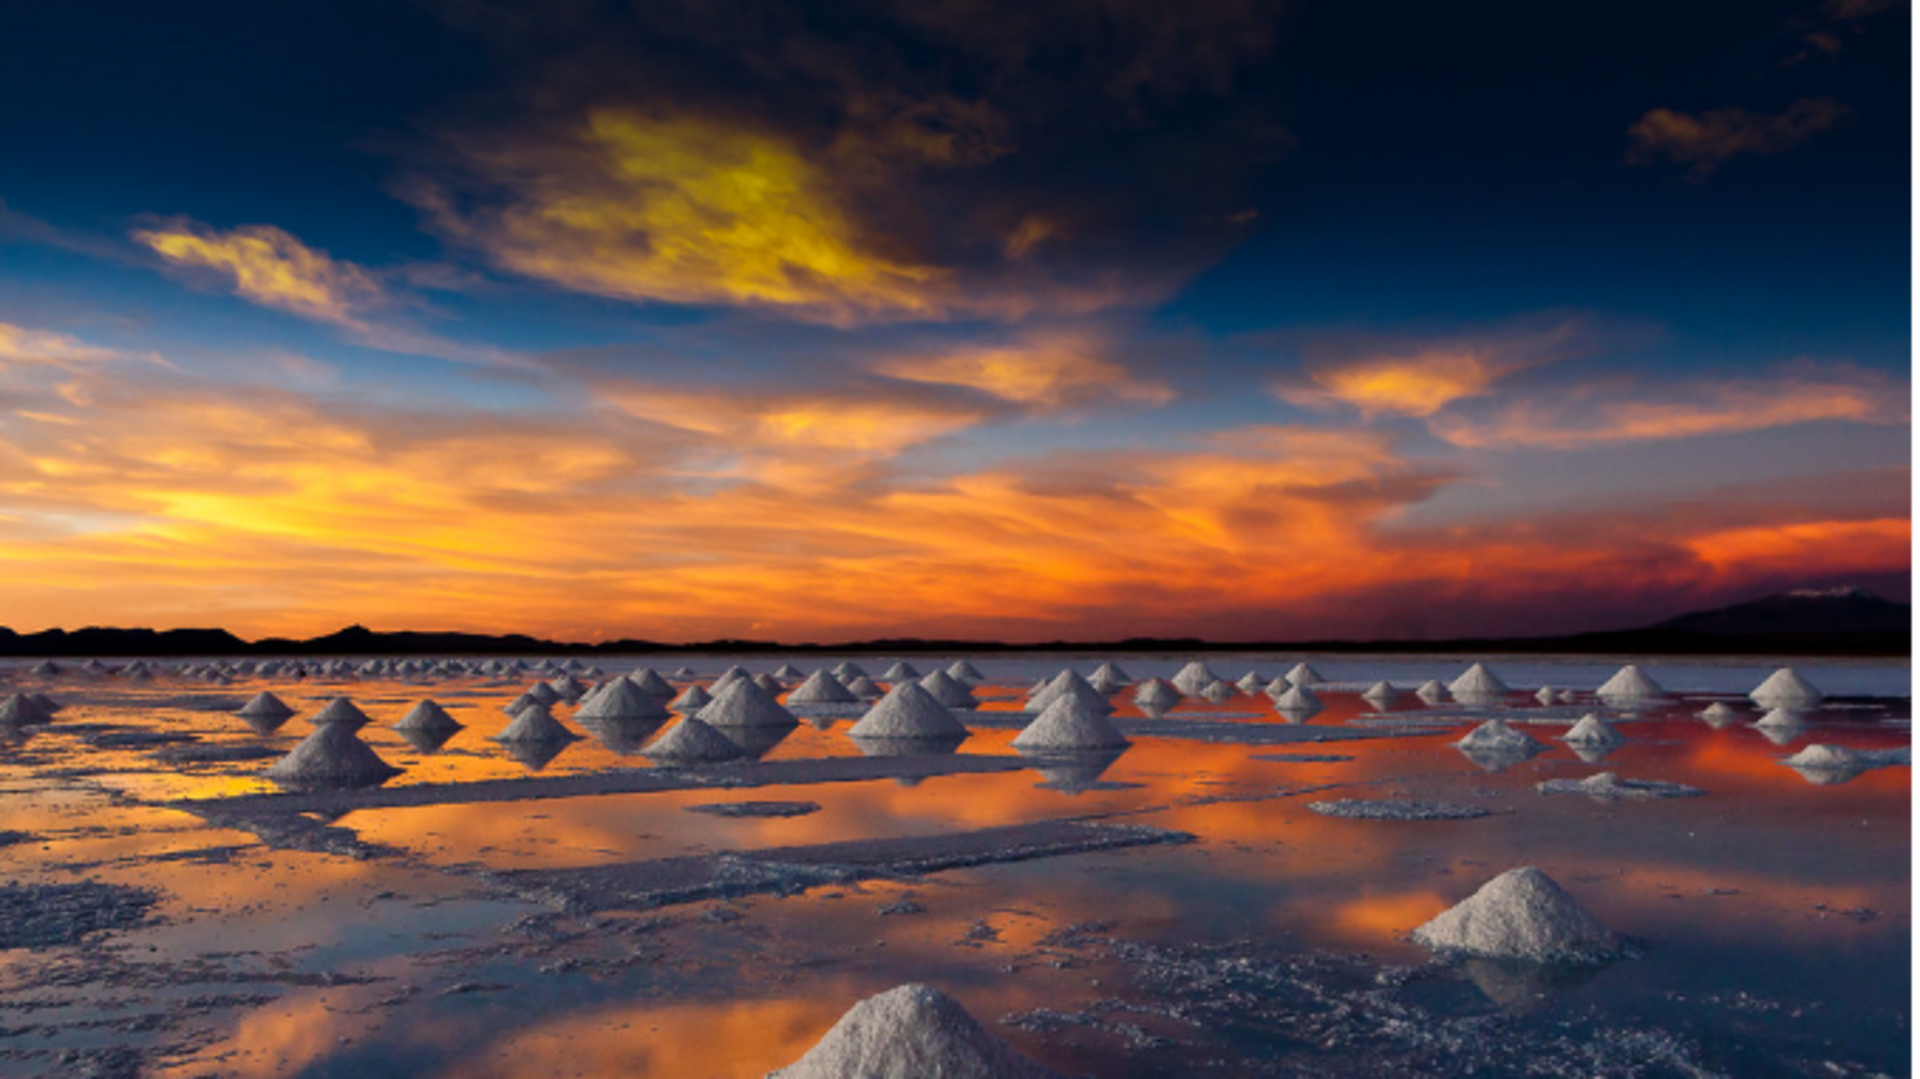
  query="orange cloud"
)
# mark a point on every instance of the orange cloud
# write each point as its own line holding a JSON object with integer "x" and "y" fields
{"x": 1420, "y": 378}
{"x": 1835, "y": 546}
{"x": 1706, "y": 140}
{"x": 1579, "y": 418}
{"x": 22, "y": 347}
{"x": 271, "y": 267}
{"x": 1046, "y": 371}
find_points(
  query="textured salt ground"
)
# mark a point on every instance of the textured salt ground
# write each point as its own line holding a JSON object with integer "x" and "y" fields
{"x": 755, "y": 809}
{"x": 52, "y": 915}
{"x": 1208, "y": 730}
{"x": 787, "y": 870}
{"x": 1300, "y": 758}
{"x": 1608, "y": 787}
{"x": 1396, "y": 809}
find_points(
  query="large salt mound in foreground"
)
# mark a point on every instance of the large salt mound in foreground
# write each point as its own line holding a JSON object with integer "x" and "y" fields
{"x": 821, "y": 687}
{"x": 1785, "y": 688}
{"x": 332, "y": 756}
{"x": 691, "y": 742}
{"x": 1069, "y": 723}
{"x": 1476, "y": 682}
{"x": 908, "y": 711}
{"x": 911, "y": 1032}
{"x": 1521, "y": 914}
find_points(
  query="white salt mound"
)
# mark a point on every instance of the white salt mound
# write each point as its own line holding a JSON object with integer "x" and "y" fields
{"x": 1520, "y": 914}
{"x": 1156, "y": 693}
{"x": 1785, "y": 688}
{"x": 691, "y": 742}
{"x": 1496, "y": 735}
{"x": 1546, "y": 695}
{"x": 1381, "y": 693}
{"x": 787, "y": 672}
{"x": 1251, "y": 682}
{"x": 1303, "y": 674}
{"x": 1781, "y": 719}
{"x": 427, "y": 716}
{"x": 772, "y": 685}
{"x": 535, "y": 725}
{"x": 1193, "y": 678}
{"x": 20, "y": 710}
{"x": 948, "y": 690}
{"x": 1298, "y": 698}
{"x": 742, "y": 703}
{"x": 1108, "y": 678}
{"x": 1719, "y": 710}
{"x": 1592, "y": 731}
{"x": 341, "y": 712}
{"x": 331, "y": 756}
{"x": 908, "y": 711}
{"x": 622, "y": 699}
{"x": 911, "y": 1032}
{"x": 1630, "y": 683}
{"x": 1477, "y": 681}
{"x": 1820, "y": 757}
{"x": 694, "y": 699}
{"x": 265, "y": 705}
{"x": 1068, "y": 684}
{"x": 1219, "y": 691}
{"x": 1069, "y": 723}
{"x": 1609, "y": 787}
{"x": 963, "y": 671}
{"x": 1431, "y": 691}
{"x": 901, "y": 671}
{"x": 543, "y": 692}
{"x": 651, "y": 683}
{"x": 821, "y": 687}
{"x": 866, "y": 688}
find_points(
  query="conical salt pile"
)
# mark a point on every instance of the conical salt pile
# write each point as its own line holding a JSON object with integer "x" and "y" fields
{"x": 427, "y": 716}
{"x": 962, "y": 671}
{"x": 521, "y": 703}
{"x": 1068, "y": 684}
{"x": 332, "y": 756}
{"x": 1069, "y": 723}
{"x": 1108, "y": 678}
{"x": 742, "y": 703}
{"x": 20, "y": 710}
{"x": 1630, "y": 683}
{"x": 901, "y": 671}
{"x": 695, "y": 698}
{"x": 535, "y": 725}
{"x": 1592, "y": 731}
{"x": 622, "y": 699}
{"x": 911, "y": 1032}
{"x": 1156, "y": 693}
{"x": 568, "y": 687}
{"x": 948, "y": 690}
{"x": 908, "y": 711}
{"x": 866, "y": 689}
{"x": 1785, "y": 688}
{"x": 821, "y": 687}
{"x": 1303, "y": 674}
{"x": 1219, "y": 691}
{"x": 543, "y": 692}
{"x": 1546, "y": 695}
{"x": 682, "y": 672}
{"x": 1720, "y": 712}
{"x": 1298, "y": 699}
{"x": 846, "y": 669}
{"x": 1431, "y": 691}
{"x": 46, "y": 668}
{"x": 340, "y": 712}
{"x": 1825, "y": 757}
{"x": 729, "y": 677}
{"x": 787, "y": 672}
{"x": 1477, "y": 682}
{"x": 1193, "y": 678}
{"x": 1252, "y": 682}
{"x": 1278, "y": 687}
{"x": 772, "y": 685}
{"x": 691, "y": 742}
{"x": 1521, "y": 914}
{"x": 1381, "y": 693}
{"x": 265, "y": 705}
{"x": 651, "y": 683}
{"x": 1496, "y": 735}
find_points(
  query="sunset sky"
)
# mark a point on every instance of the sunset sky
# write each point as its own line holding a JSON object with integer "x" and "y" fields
{"x": 682, "y": 319}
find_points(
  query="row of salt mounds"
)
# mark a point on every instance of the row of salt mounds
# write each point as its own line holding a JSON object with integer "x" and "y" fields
{"x": 909, "y": 711}
{"x": 821, "y": 687}
{"x": 1478, "y": 683}
{"x": 691, "y": 741}
{"x": 1630, "y": 683}
{"x": 743, "y": 703}
{"x": 1068, "y": 684}
{"x": 1521, "y": 914}
{"x": 332, "y": 756}
{"x": 1785, "y": 688}
{"x": 911, "y": 1032}
{"x": 1070, "y": 722}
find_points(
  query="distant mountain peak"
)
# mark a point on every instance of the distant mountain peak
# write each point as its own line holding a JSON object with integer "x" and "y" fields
{"x": 1846, "y": 609}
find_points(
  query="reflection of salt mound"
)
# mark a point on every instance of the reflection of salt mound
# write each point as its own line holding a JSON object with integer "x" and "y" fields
{"x": 901, "y": 671}
{"x": 332, "y": 756}
{"x": 1108, "y": 678}
{"x": 1521, "y": 987}
{"x": 1521, "y": 914}
{"x": 742, "y": 703}
{"x": 1068, "y": 684}
{"x": 1074, "y": 771}
{"x": 694, "y": 699}
{"x": 1785, "y": 688}
{"x": 535, "y": 755}
{"x": 908, "y": 711}
{"x": 948, "y": 690}
{"x": 1496, "y": 735}
{"x": 1630, "y": 683}
{"x": 1431, "y": 691}
{"x": 1594, "y": 754}
{"x": 427, "y": 716}
{"x": 621, "y": 699}
{"x": 821, "y": 687}
{"x": 1193, "y": 678}
{"x": 425, "y": 741}
{"x": 1156, "y": 693}
{"x": 691, "y": 741}
{"x": 1069, "y": 723}
{"x": 20, "y": 710}
{"x": 911, "y": 1032}
{"x": 1592, "y": 731}
{"x": 340, "y": 712}
{"x": 624, "y": 736}
{"x": 1784, "y": 721}
{"x": 1303, "y": 674}
{"x": 1720, "y": 714}
{"x": 963, "y": 671}
{"x": 1476, "y": 682}
{"x": 755, "y": 742}
{"x": 535, "y": 724}
{"x": 866, "y": 689}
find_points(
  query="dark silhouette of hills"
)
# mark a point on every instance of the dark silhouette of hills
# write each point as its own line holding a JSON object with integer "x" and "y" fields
{"x": 1835, "y": 622}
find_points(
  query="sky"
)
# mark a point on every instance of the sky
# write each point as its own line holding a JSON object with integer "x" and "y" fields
{"x": 811, "y": 322}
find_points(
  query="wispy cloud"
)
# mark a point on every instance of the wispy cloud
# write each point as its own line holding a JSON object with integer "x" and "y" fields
{"x": 1704, "y": 141}
{"x": 1044, "y": 371}
{"x": 1419, "y": 376}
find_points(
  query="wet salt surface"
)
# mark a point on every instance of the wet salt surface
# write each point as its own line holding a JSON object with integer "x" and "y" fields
{"x": 1772, "y": 915}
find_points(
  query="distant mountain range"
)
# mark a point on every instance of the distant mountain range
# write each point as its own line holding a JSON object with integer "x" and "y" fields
{"x": 1839, "y": 621}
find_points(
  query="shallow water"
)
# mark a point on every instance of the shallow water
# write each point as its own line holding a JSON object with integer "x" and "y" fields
{"x": 1771, "y": 916}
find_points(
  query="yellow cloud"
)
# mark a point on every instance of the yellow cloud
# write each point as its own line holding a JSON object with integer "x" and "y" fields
{"x": 1416, "y": 385}
{"x": 1045, "y": 371}
{"x": 270, "y": 267}
{"x": 686, "y": 211}
{"x": 874, "y": 426}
